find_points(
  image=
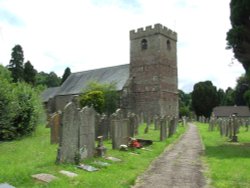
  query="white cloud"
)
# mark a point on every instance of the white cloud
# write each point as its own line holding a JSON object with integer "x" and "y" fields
{"x": 90, "y": 34}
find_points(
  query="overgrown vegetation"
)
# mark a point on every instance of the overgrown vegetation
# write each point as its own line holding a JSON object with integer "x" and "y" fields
{"x": 21, "y": 159}
{"x": 20, "y": 107}
{"x": 103, "y": 97}
{"x": 228, "y": 163}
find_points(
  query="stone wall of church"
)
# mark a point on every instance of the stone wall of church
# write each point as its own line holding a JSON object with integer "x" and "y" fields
{"x": 153, "y": 71}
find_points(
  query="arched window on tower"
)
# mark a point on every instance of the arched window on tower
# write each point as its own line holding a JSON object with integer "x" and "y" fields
{"x": 168, "y": 45}
{"x": 144, "y": 44}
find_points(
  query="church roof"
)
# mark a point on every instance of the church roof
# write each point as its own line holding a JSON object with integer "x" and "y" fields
{"x": 76, "y": 82}
{"x": 49, "y": 93}
{"x": 226, "y": 111}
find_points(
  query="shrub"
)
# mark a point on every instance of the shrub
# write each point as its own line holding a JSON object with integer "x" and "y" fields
{"x": 93, "y": 98}
{"x": 20, "y": 108}
{"x": 109, "y": 94}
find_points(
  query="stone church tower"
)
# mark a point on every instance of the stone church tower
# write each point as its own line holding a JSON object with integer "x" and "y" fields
{"x": 153, "y": 83}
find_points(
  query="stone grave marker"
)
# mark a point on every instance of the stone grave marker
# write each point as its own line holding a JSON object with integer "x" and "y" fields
{"x": 68, "y": 173}
{"x": 120, "y": 129}
{"x": 87, "y": 132}
{"x": 55, "y": 123}
{"x": 163, "y": 129}
{"x": 68, "y": 146}
{"x": 44, "y": 177}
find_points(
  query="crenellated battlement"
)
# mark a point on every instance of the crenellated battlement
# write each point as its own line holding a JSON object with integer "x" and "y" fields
{"x": 149, "y": 30}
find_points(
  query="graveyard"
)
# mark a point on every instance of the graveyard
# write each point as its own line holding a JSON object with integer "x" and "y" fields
{"x": 228, "y": 162}
{"x": 35, "y": 154}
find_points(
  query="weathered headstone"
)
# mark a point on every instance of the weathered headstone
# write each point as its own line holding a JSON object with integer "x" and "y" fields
{"x": 55, "y": 123}
{"x": 103, "y": 127}
{"x": 77, "y": 133}
{"x": 157, "y": 122}
{"x": 68, "y": 173}
{"x": 120, "y": 129}
{"x": 87, "y": 132}
{"x": 68, "y": 146}
{"x": 44, "y": 177}
{"x": 163, "y": 129}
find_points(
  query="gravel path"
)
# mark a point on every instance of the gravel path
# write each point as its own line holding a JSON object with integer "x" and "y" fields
{"x": 179, "y": 167}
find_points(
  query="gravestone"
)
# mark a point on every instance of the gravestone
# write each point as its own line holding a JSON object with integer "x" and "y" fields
{"x": 68, "y": 145}
{"x": 55, "y": 123}
{"x": 120, "y": 129}
{"x": 157, "y": 122}
{"x": 132, "y": 124}
{"x": 163, "y": 129}
{"x": 103, "y": 127}
{"x": 87, "y": 132}
{"x": 77, "y": 133}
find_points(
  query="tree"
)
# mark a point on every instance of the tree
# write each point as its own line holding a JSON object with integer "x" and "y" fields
{"x": 238, "y": 36}
{"x": 53, "y": 80}
{"x": 66, "y": 74}
{"x": 16, "y": 63}
{"x": 49, "y": 80}
{"x": 184, "y": 104}
{"x": 111, "y": 97}
{"x": 93, "y": 98}
{"x": 229, "y": 97}
{"x": 221, "y": 97}
{"x": 240, "y": 89}
{"x": 204, "y": 98}
{"x": 29, "y": 73}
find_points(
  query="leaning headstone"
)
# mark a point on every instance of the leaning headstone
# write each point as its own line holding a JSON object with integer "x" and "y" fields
{"x": 44, "y": 177}
{"x": 68, "y": 147}
{"x": 102, "y": 128}
{"x": 55, "y": 123}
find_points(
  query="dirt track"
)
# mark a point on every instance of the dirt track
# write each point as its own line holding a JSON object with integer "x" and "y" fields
{"x": 179, "y": 167}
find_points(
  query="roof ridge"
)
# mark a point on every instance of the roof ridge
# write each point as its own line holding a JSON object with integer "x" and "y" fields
{"x": 100, "y": 68}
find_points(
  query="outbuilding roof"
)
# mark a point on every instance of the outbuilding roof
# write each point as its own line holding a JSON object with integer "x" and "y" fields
{"x": 226, "y": 111}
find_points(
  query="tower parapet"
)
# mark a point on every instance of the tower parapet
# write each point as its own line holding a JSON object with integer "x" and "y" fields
{"x": 149, "y": 30}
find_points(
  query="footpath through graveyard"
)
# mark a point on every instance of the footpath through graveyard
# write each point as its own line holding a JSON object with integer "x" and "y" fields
{"x": 178, "y": 167}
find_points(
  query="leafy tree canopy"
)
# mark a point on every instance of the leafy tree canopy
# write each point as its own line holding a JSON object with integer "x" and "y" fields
{"x": 204, "y": 98}
{"x": 110, "y": 95}
{"x": 66, "y": 74}
{"x": 29, "y": 73}
{"x": 16, "y": 63}
{"x": 238, "y": 36}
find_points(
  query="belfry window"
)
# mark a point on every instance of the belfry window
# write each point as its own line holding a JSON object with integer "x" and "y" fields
{"x": 168, "y": 45}
{"x": 144, "y": 44}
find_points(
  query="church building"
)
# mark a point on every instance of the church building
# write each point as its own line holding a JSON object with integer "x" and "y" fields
{"x": 148, "y": 85}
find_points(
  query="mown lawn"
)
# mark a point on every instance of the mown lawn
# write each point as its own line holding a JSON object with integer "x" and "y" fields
{"x": 23, "y": 158}
{"x": 228, "y": 163}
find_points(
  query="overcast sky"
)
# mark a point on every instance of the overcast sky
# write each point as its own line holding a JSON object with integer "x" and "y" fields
{"x": 89, "y": 34}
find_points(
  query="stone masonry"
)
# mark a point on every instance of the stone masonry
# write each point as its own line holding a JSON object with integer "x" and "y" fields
{"x": 153, "y": 87}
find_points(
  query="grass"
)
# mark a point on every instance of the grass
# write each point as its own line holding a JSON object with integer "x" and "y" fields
{"x": 23, "y": 158}
{"x": 228, "y": 163}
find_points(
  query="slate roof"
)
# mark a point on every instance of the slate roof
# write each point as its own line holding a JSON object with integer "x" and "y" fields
{"x": 76, "y": 82}
{"x": 49, "y": 93}
{"x": 225, "y": 111}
